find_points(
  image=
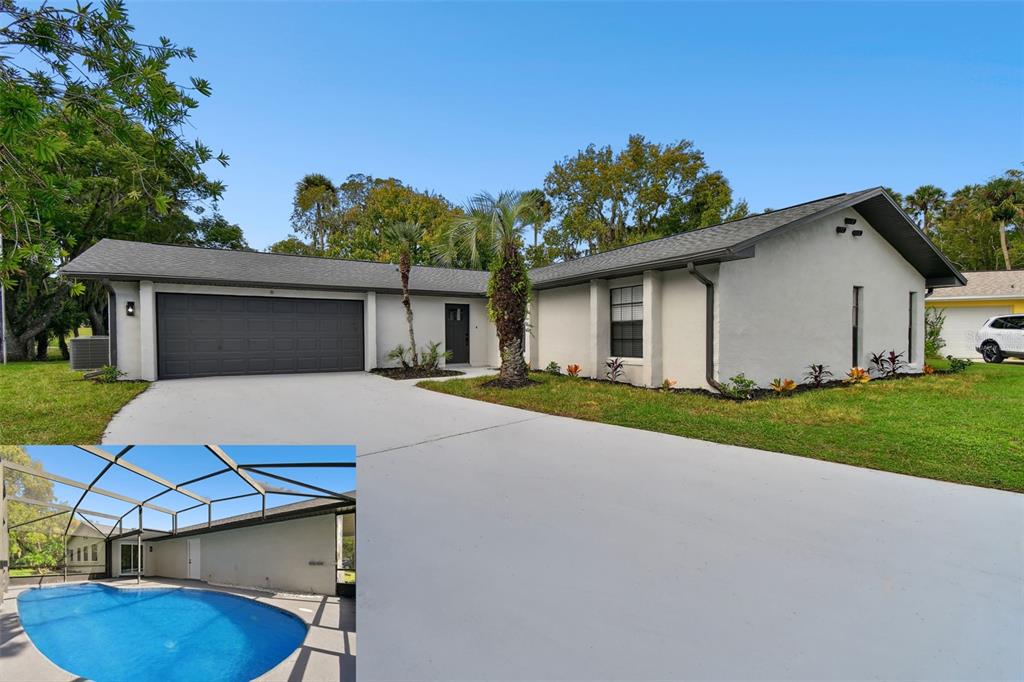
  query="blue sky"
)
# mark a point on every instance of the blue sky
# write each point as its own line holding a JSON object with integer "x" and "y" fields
{"x": 792, "y": 101}
{"x": 180, "y": 463}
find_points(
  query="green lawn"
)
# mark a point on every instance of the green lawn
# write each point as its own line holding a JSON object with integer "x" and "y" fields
{"x": 965, "y": 428}
{"x": 47, "y": 403}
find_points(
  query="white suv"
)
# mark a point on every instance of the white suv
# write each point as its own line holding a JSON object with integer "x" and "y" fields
{"x": 1001, "y": 337}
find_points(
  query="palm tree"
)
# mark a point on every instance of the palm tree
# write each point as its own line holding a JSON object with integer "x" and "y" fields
{"x": 1004, "y": 197}
{"x": 314, "y": 207}
{"x": 926, "y": 201}
{"x": 491, "y": 231}
{"x": 403, "y": 238}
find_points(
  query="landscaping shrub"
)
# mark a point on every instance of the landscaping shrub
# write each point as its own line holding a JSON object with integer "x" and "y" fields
{"x": 957, "y": 365}
{"x": 934, "y": 318}
{"x": 857, "y": 375}
{"x": 107, "y": 374}
{"x": 887, "y": 364}
{"x": 928, "y": 369}
{"x": 817, "y": 375}
{"x": 739, "y": 387}
{"x": 553, "y": 368}
{"x": 616, "y": 369}
{"x": 401, "y": 354}
{"x": 573, "y": 370}
{"x": 783, "y": 385}
{"x": 431, "y": 356}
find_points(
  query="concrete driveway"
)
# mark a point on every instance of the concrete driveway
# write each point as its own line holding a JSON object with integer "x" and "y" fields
{"x": 498, "y": 543}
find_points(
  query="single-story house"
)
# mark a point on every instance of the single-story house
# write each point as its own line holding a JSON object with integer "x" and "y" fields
{"x": 305, "y": 539}
{"x": 986, "y": 294}
{"x": 828, "y": 281}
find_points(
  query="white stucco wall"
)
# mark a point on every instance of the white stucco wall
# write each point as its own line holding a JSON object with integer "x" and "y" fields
{"x": 790, "y": 305}
{"x": 683, "y": 318}
{"x": 127, "y": 329}
{"x": 562, "y": 331}
{"x": 296, "y": 556}
{"x": 429, "y": 325}
{"x": 573, "y": 325}
{"x": 384, "y": 323}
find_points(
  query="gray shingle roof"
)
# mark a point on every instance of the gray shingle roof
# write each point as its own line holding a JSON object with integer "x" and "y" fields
{"x": 985, "y": 284}
{"x": 115, "y": 259}
{"x": 118, "y": 259}
{"x": 709, "y": 241}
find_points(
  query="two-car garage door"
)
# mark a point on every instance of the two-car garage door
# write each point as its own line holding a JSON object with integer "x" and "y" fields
{"x": 208, "y": 335}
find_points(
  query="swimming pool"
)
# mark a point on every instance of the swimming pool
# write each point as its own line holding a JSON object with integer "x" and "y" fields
{"x": 110, "y": 634}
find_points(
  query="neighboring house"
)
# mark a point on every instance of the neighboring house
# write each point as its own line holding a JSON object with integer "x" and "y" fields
{"x": 829, "y": 281}
{"x": 986, "y": 294}
{"x": 296, "y": 548}
{"x": 86, "y": 547}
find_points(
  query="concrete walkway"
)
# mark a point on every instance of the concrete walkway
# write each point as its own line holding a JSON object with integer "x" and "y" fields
{"x": 328, "y": 654}
{"x": 499, "y": 543}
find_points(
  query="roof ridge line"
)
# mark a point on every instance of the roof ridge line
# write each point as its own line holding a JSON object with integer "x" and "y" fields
{"x": 292, "y": 255}
{"x": 708, "y": 227}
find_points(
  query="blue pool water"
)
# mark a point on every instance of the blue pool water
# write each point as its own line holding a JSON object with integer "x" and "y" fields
{"x": 110, "y": 634}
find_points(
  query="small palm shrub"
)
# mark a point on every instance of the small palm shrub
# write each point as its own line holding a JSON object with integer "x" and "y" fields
{"x": 739, "y": 387}
{"x": 553, "y": 368}
{"x": 401, "y": 354}
{"x": 857, "y": 375}
{"x": 817, "y": 375}
{"x": 431, "y": 356}
{"x": 616, "y": 369}
{"x": 573, "y": 370}
{"x": 783, "y": 385}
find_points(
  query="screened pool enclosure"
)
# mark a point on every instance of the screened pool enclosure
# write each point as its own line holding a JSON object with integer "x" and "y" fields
{"x": 275, "y": 517}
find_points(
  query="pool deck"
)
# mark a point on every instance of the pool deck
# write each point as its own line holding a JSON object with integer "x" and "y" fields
{"x": 328, "y": 654}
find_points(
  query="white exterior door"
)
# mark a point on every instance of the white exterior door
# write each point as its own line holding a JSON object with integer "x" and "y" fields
{"x": 193, "y": 557}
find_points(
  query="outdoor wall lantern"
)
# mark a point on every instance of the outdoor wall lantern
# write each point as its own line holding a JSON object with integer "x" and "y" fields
{"x": 129, "y": 308}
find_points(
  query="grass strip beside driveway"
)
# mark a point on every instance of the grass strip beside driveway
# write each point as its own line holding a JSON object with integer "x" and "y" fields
{"x": 964, "y": 428}
{"x": 43, "y": 403}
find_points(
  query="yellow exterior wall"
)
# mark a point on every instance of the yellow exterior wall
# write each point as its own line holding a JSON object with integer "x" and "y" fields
{"x": 1017, "y": 305}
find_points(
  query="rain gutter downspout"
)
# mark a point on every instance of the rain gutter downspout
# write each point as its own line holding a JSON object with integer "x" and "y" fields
{"x": 709, "y": 327}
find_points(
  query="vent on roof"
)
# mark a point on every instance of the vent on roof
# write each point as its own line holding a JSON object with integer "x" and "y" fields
{"x": 89, "y": 352}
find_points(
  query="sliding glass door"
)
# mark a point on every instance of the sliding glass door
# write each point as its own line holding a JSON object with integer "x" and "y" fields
{"x": 129, "y": 559}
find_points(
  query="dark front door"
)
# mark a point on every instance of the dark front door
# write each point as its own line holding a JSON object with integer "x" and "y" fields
{"x": 456, "y": 332}
{"x": 210, "y": 335}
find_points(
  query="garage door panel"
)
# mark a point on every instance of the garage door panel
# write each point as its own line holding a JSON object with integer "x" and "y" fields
{"x": 258, "y": 305}
{"x": 208, "y": 335}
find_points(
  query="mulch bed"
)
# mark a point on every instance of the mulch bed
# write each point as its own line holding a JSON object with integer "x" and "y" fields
{"x": 412, "y": 373}
{"x": 760, "y": 393}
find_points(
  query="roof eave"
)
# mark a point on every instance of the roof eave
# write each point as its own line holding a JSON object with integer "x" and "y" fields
{"x": 134, "y": 277}
{"x": 676, "y": 262}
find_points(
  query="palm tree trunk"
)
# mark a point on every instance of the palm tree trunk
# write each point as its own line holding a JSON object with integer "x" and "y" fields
{"x": 513, "y": 364}
{"x": 1004, "y": 246}
{"x": 403, "y": 270}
